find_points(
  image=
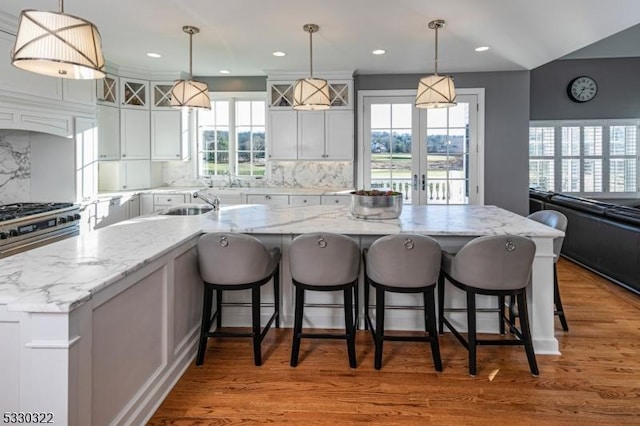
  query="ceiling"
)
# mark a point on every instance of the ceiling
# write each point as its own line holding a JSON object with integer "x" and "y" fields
{"x": 240, "y": 35}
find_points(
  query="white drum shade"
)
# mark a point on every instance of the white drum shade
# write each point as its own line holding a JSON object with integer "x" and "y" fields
{"x": 436, "y": 91}
{"x": 190, "y": 94}
{"x": 311, "y": 94}
{"x": 58, "y": 45}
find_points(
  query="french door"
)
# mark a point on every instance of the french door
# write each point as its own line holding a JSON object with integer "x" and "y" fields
{"x": 432, "y": 156}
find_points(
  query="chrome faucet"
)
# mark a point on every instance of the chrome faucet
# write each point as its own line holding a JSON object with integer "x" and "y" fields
{"x": 215, "y": 203}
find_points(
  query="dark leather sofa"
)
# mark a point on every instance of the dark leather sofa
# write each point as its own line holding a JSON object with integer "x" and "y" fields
{"x": 603, "y": 237}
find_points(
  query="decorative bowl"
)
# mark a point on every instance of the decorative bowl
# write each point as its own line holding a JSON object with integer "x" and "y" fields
{"x": 376, "y": 204}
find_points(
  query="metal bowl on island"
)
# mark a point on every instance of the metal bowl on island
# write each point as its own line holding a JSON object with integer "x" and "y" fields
{"x": 376, "y": 204}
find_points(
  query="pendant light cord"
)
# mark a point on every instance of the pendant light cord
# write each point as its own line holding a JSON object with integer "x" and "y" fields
{"x": 310, "y": 52}
{"x": 61, "y": 6}
{"x": 190, "y": 54}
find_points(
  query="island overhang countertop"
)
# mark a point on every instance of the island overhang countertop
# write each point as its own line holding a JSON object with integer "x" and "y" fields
{"x": 61, "y": 276}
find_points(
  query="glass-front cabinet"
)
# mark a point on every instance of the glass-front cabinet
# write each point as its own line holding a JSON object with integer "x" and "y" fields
{"x": 161, "y": 95}
{"x": 107, "y": 90}
{"x": 134, "y": 93}
{"x": 281, "y": 94}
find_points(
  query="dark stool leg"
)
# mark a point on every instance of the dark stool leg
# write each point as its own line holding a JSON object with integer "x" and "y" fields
{"x": 501, "y": 313}
{"x": 356, "y": 306}
{"x": 526, "y": 332}
{"x": 557, "y": 301}
{"x": 255, "y": 319}
{"x": 205, "y": 324}
{"x": 350, "y": 326}
{"x": 366, "y": 301}
{"x": 471, "y": 325}
{"x": 512, "y": 310}
{"x": 297, "y": 325}
{"x": 430, "y": 315}
{"x": 379, "y": 331}
{"x": 276, "y": 294}
{"x": 441, "y": 303}
{"x": 219, "y": 309}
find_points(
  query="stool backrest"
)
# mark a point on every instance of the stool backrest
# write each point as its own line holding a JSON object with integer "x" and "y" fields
{"x": 229, "y": 259}
{"x": 324, "y": 259}
{"x": 404, "y": 260}
{"x": 501, "y": 262}
{"x": 556, "y": 220}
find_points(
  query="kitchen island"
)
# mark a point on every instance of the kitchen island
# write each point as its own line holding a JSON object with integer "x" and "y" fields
{"x": 98, "y": 328}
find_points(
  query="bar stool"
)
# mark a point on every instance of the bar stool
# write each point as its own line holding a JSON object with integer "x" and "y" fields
{"x": 403, "y": 263}
{"x": 559, "y": 221}
{"x": 494, "y": 265}
{"x": 325, "y": 262}
{"x": 236, "y": 262}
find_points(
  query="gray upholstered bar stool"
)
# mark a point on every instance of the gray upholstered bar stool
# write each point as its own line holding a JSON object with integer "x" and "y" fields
{"x": 494, "y": 265}
{"x": 403, "y": 263}
{"x": 559, "y": 221}
{"x": 236, "y": 262}
{"x": 325, "y": 262}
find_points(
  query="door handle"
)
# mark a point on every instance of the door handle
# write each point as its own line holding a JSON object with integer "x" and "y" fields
{"x": 423, "y": 183}
{"x": 415, "y": 182}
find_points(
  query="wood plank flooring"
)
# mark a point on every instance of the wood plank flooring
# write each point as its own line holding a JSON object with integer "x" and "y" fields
{"x": 596, "y": 380}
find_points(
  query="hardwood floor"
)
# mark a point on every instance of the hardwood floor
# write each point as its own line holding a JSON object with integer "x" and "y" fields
{"x": 595, "y": 381}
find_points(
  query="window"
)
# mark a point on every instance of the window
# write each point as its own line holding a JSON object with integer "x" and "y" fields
{"x": 589, "y": 157}
{"x": 231, "y": 136}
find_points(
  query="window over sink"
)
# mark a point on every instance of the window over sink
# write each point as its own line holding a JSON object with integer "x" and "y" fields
{"x": 231, "y": 136}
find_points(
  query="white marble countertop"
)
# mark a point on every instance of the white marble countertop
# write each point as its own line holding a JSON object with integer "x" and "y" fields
{"x": 60, "y": 276}
{"x": 226, "y": 190}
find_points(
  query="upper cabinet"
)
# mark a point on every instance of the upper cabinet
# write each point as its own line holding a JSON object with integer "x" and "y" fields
{"x": 108, "y": 89}
{"x": 134, "y": 93}
{"x": 310, "y": 135}
{"x": 280, "y": 94}
{"x": 161, "y": 95}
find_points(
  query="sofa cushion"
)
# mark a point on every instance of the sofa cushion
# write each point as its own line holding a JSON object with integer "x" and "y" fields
{"x": 581, "y": 204}
{"x": 624, "y": 214}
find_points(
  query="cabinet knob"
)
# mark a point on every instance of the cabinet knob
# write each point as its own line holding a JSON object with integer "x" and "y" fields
{"x": 124, "y": 155}
{"x": 268, "y": 197}
{"x": 336, "y": 200}
{"x": 178, "y": 155}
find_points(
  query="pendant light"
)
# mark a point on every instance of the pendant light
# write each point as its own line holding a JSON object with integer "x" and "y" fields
{"x": 436, "y": 91}
{"x": 58, "y": 45}
{"x": 311, "y": 94}
{"x": 190, "y": 93}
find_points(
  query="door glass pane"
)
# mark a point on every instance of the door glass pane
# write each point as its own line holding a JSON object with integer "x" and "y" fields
{"x": 447, "y": 159}
{"x": 391, "y": 145}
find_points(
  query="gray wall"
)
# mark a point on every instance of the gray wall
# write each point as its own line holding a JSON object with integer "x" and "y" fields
{"x": 506, "y": 135}
{"x": 618, "y": 89}
{"x": 235, "y": 84}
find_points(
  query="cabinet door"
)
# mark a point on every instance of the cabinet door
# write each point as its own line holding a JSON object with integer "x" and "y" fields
{"x": 108, "y": 133}
{"x": 134, "y": 134}
{"x": 107, "y": 90}
{"x": 283, "y": 135}
{"x": 110, "y": 212}
{"x": 134, "y": 206}
{"x": 134, "y": 93}
{"x": 311, "y": 135}
{"x": 137, "y": 174}
{"x": 339, "y": 142}
{"x": 166, "y": 135}
{"x": 341, "y": 200}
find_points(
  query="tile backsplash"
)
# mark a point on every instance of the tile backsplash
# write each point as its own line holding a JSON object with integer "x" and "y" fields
{"x": 288, "y": 174}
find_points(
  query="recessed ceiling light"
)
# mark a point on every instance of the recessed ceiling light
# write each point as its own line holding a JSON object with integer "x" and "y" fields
{"x": 225, "y": 72}
{"x": 482, "y": 48}
{"x": 279, "y": 53}
{"x": 379, "y": 52}
{"x": 154, "y": 55}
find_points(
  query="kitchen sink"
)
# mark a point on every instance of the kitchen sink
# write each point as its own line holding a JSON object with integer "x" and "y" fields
{"x": 187, "y": 211}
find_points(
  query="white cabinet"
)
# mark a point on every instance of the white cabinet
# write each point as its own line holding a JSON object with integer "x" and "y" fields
{"x": 283, "y": 135}
{"x": 134, "y": 134}
{"x": 134, "y": 93}
{"x": 134, "y": 206}
{"x": 307, "y": 200}
{"x": 110, "y": 211}
{"x": 164, "y": 201}
{"x": 107, "y": 90}
{"x": 119, "y": 175}
{"x": 310, "y": 135}
{"x": 325, "y": 135}
{"x": 278, "y": 199}
{"x": 108, "y": 132}
{"x": 169, "y": 135}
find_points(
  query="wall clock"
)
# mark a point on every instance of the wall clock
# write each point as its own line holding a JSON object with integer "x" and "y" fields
{"x": 582, "y": 89}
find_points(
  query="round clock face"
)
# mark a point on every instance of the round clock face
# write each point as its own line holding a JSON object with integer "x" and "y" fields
{"x": 582, "y": 89}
